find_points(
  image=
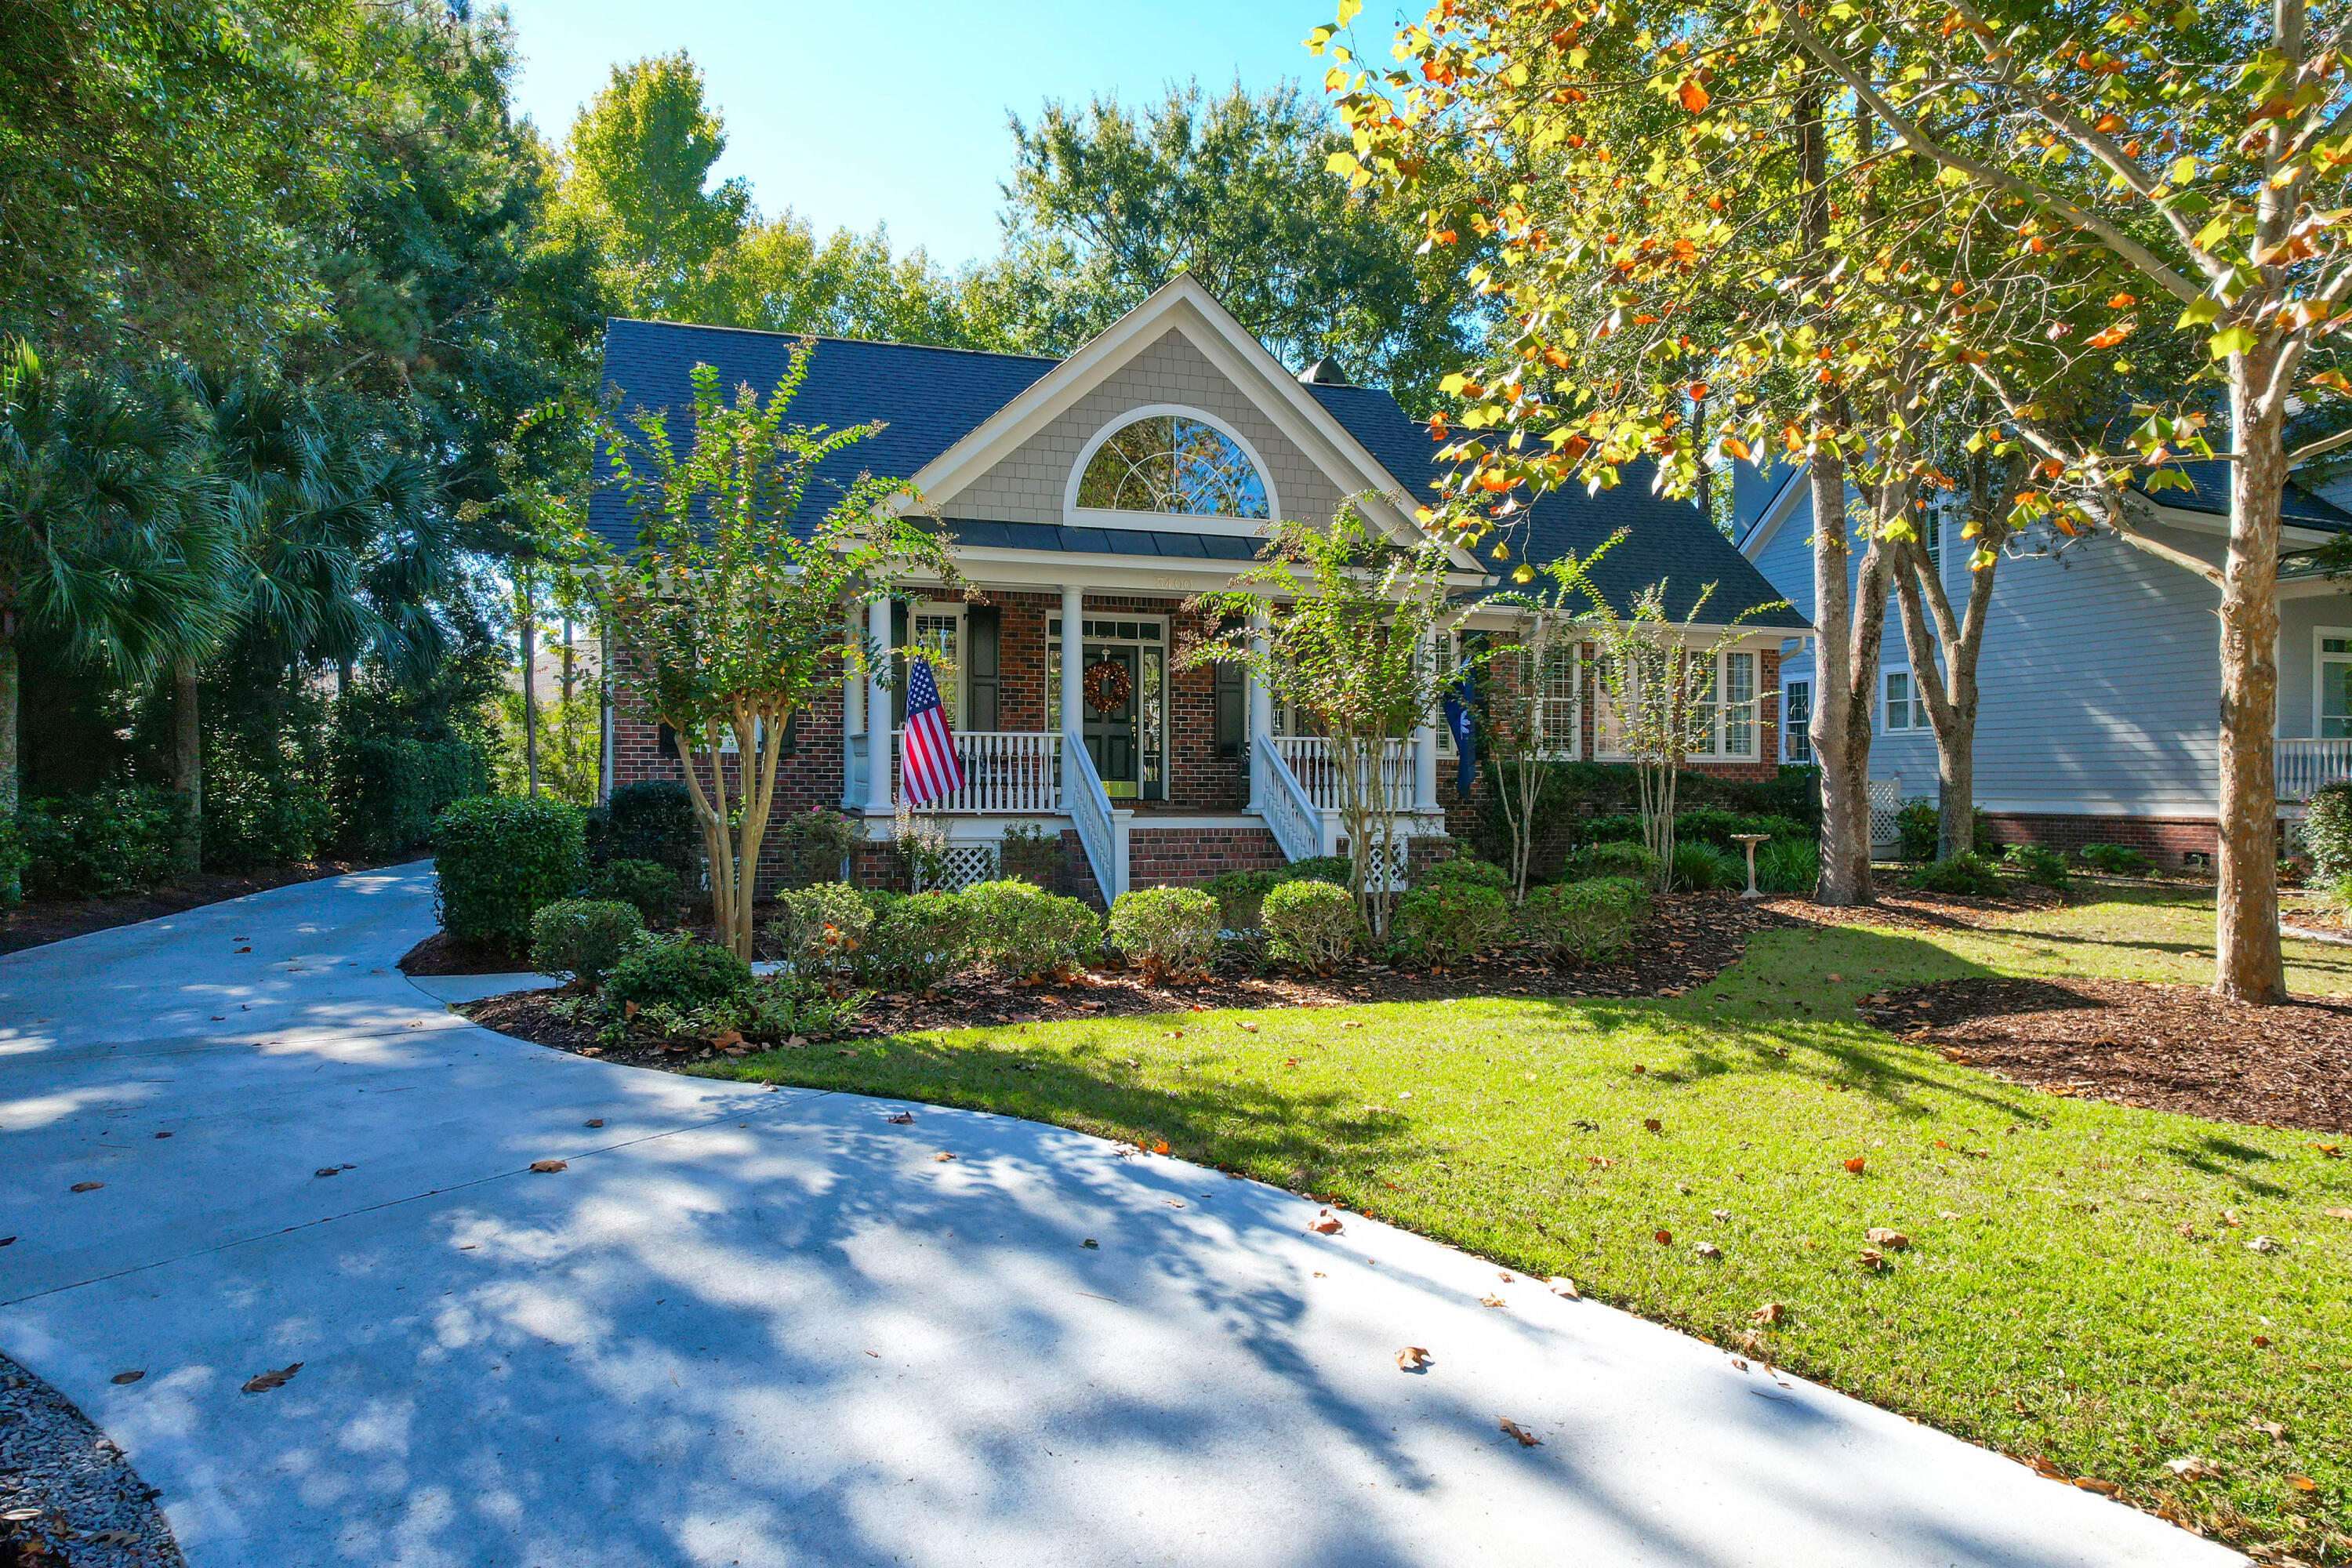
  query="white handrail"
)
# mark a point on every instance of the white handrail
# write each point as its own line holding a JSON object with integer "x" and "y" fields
{"x": 2303, "y": 765}
{"x": 1309, "y": 760}
{"x": 1087, "y": 806}
{"x": 1005, "y": 773}
{"x": 1290, "y": 816}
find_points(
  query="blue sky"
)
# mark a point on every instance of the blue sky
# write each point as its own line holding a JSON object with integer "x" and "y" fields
{"x": 854, "y": 114}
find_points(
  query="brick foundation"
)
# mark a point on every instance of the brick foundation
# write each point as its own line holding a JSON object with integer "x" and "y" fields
{"x": 1187, "y": 857}
{"x": 2164, "y": 839}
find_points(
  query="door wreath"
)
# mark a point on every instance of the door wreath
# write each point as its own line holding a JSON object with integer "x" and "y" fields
{"x": 1108, "y": 684}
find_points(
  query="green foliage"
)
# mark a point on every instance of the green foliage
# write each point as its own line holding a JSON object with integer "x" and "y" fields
{"x": 582, "y": 937}
{"x": 1701, "y": 868}
{"x": 2043, "y": 868}
{"x": 1704, "y": 824}
{"x": 651, "y": 820}
{"x": 675, "y": 970}
{"x": 501, "y": 861}
{"x": 121, "y": 839}
{"x": 819, "y": 929}
{"x": 646, "y": 886}
{"x": 1465, "y": 870}
{"x": 1239, "y": 895}
{"x": 1171, "y": 932}
{"x": 1029, "y": 852}
{"x": 2326, "y": 832}
{"x": 915, "y": 942}
{"x": 1331, "y": 868}
{"x": 1971, "y": 875}
{"x": 816, "y": 842}
{"x": 1020, "y": 931}
{"x": 1789, "y": 866}
{"x": 1919, "y": 828}
{"x": 1450, "y": 923}
{"x": 1613, "y": 857}
{"x": 769, "y": 1009}
{"x": 269, "y": 777}
{"x": 1583, "y": 922}
{"x": 387, "y": 792}
{"x": 2121, "y": 859}
{"x": 1312, "y": 923}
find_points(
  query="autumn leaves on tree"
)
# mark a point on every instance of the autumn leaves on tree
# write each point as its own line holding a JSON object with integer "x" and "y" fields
{"x": 2094, "y": 238}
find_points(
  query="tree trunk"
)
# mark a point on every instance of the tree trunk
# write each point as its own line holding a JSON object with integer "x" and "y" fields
{"x": 1842, "y": 749}
{"x": 12, "y": 886}
{"x": 2247, "y": 963}
{"x": 188, "y": 762}
{"x": 530, "y": 690}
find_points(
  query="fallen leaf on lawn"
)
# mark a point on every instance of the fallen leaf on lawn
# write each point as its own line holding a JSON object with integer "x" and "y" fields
{"x": 1250, "y": 1027}
{"x": 1599, "y": 1162}
{"x": 1412, "y": 1358}
{"x": 2261, "y": 1244}
{"x": 2043, "y": 1468}
{"x": 127, "y": 1376}
{"x": 2104, "y": 1489}
{"x": 2193, "y": 1468}
{"x": 943, "y": 1155}
{"x": 2337, "y": 1214}
{"x": 2262, "y": 1342}
{"x": 2271, "y": 1429}
{"x": 548, "y": 1167}
{"x": 2329, "y": 1151}
{"x": 1651, "y": 1124}
{"x": 1893, "y": 1240}
{"x": 1561, "y": 1285}
{"x": 1350, "y": 1024}
{"x": 1328, "y": 1225}
{"x": 1832, "y": 979}
{"x": 1770, "y": 1312}
{"x": 1871, "y": 1258}
{"x": 1662, "y": 1237}
{"x": 1527, "y": 1439}
{"x": 2302, "y": 1483}
{"x": 1855, "y": 1164}
{"x": 1160, "y": 1146}
{"x": 903, "y": 1119}
{"x": 263, "y": 1382}
{"x": 87, "y": 1186}
{"x": 1490, "y": 1301}
{"x": 1708, "y": 1249}
{"x": 1720, "y": 1214}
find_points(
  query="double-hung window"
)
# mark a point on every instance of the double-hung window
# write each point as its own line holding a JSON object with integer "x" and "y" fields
{"x": 1904, "y": 708}
{"x": 1796, "y": 722}
{"x": 1723, "y": 709}
{"x": 2334, "y": 669}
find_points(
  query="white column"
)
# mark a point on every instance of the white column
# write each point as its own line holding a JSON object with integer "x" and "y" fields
{"x": 1424, "y": 769}
{"x": 878, "y": 709}
{"x": 1261, "y": 700}
{"x": 853, "y": 722}
{"x": 1074, "y": 609}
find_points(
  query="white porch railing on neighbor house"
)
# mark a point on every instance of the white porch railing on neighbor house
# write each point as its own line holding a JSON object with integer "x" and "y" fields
{"x": 1101, "y": 829}
{"x": 1293, "y": 819}
{"x": 1309, "y": 761}
{"x": 2302, "y": 766}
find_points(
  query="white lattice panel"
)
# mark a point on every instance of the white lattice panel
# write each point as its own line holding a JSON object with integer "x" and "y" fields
{"x": 1885, "y": 802}
{"x": 966, "y": 864}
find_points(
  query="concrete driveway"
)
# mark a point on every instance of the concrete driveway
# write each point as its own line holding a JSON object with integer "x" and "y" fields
{"x": 757, "y": 1328}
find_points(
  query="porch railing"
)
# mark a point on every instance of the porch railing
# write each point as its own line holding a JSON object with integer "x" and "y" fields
{"x": 1088, "y": 807}
{"x": 2304, "y": 765}
{"x": 1006, "y": 773}
{"x": 1310, "y": 760}
{"x": 1294, "y": 820}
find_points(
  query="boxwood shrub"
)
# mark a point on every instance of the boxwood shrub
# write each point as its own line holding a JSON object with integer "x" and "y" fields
{"x": 914, "y": 940}
{"x": 647, "y": 885}
{"x": 1450, "y": 922}
{"x": 1018, "y": 929}
{"x": 582, "y": 937}
{"x": 1172, "y": 933}
{"x": 1970, "y": 873}
{"x": 676, "y": 972}
{"x": 501, "y": 859}
{"x": 2123, "y": 860}
{"x": 1584, "y": 921}
{"x": 1313, "y": 924}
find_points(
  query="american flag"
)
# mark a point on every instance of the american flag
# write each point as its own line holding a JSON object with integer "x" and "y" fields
{"x": 927, "y": 765}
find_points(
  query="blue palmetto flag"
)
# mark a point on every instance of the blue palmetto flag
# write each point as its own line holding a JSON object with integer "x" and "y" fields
{"x": 1460, "y": 694}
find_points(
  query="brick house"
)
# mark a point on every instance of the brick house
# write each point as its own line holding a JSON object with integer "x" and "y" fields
{"x": 1090, "y": 499}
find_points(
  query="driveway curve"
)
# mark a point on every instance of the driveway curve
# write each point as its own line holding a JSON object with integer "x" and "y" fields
{"x": 748, "y": 1328}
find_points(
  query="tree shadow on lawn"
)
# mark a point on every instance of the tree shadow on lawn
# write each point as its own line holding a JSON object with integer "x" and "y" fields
{"x": 2225, "y": 1158}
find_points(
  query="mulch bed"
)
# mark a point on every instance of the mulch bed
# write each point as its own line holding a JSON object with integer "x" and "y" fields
{"x": 1909, "y": 908}
{"x": 2172, "y": 1048}
{"x": 39, "y": 921}
{"x": 1689, "y": 940}
{"x": 442, "y": 954}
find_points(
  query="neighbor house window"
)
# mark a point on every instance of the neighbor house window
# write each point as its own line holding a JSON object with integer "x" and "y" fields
{"x": 1905, "y": 708}
{"x": 1931, "y": 536}
{"x": 2335, "y": 673}
{"x": 1168, "y": 463}
{"x": 1796, "y": 722}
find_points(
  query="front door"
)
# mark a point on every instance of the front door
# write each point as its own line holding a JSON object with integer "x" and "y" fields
{"x": 1112, "y": 675}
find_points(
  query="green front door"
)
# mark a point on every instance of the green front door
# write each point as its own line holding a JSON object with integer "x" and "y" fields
{"x": 1110, "y": 734}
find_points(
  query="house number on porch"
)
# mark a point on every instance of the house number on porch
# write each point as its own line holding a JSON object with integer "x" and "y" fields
{"x": 1107, "y": 686}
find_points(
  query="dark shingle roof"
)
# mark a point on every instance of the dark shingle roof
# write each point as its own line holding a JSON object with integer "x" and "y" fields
{"x": 2297, "y": 507}
{"x": 1101, "y": 540}
{"x": 1666, "y": 540}
{"x": 928, "y": 398}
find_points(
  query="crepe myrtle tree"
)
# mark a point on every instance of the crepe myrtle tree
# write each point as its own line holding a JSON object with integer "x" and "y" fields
{"x": 2160, "y": 175}
{"x": 724, "y": 620}
{"x": 1340, "y": 622}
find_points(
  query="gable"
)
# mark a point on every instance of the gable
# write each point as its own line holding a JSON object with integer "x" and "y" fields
{"x": 1031, "y": 483}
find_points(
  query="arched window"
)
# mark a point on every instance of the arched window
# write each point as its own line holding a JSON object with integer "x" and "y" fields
{"x": 1168, "y": 463}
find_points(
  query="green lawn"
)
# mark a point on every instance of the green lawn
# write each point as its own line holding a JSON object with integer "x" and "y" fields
{"x": 2075, "y": 1289}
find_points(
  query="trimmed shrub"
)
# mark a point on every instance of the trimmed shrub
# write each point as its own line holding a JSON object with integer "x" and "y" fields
{"x": 387, "y": 792}
{"x": 819, "y": 928}
{"x": 2327, "y": 833}
{"x": 1311, "y": 924}
{"x": 582, "y": 937}
{"x": 501, "y": 860}
{"x": 1616, "y": 859}
{"x": 675, "y": 972}
{"x": 1240, "y": 895}
{"x": 2122, "y": 861}
{"x": 1789, "y": 866}
{"x": 1463, "y": 871}
{"x": 914, "y": 940}
{"x": 1020, "y": 930}
{"x": 1970, "y": 873}
{"x": 649, "y": 821}
{"x": 1584, "y": 921}
{"x": 1699, "y": 868}
{"x": 1918, "y": 831}
{"x": 119, "y": 840}
{"x": 1171, "y": 932}
{"x": 649, "y": 887}
{"x": 815, "y": 842}
{"x": 1700, "y": 825}
{"x": 2038, "y": 865}
{"x": 1331, "y": 868}
{"x": 1450, "y": 922}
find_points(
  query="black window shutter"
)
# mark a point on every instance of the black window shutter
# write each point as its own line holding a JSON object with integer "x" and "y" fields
{"x": 980, "y": 628}
{"x": 898, "y": 666}
{"x": 1233, "y": 703}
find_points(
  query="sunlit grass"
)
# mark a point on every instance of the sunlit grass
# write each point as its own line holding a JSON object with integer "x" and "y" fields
{"x": 2079, "y": 1286}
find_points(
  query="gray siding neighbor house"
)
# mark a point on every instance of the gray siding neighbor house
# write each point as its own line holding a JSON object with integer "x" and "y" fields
{"x": 2100, "y": 680}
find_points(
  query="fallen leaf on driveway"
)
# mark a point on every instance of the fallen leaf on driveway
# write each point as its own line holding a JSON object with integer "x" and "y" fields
{"x": 1893, "y": 1240}
{"x": 1412, "y": 1358}
{"x": 943, "y": 1155}
{"x": 1527, "y": 1439}
{"x": 327, "y": 1171}
{"x": 87, "y": 1186}
{"x": 127, "y": 1377}
{"x": 548, "y": 1167}
{"x": 598, "y": 1122}
{"x": 1160, "y": 1146}
{"x": 1328, "y": 1225}
{"x": 903, "y": 1119}
{"x": 1561, "y": 1285}
{"x": 1490, "y": 1301}
{"x": 263, "y": 1382}
{"x": 2104, "y": 1489}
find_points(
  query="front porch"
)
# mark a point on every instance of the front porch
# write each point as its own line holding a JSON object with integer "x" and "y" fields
{"x": 1160, "y": 775}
